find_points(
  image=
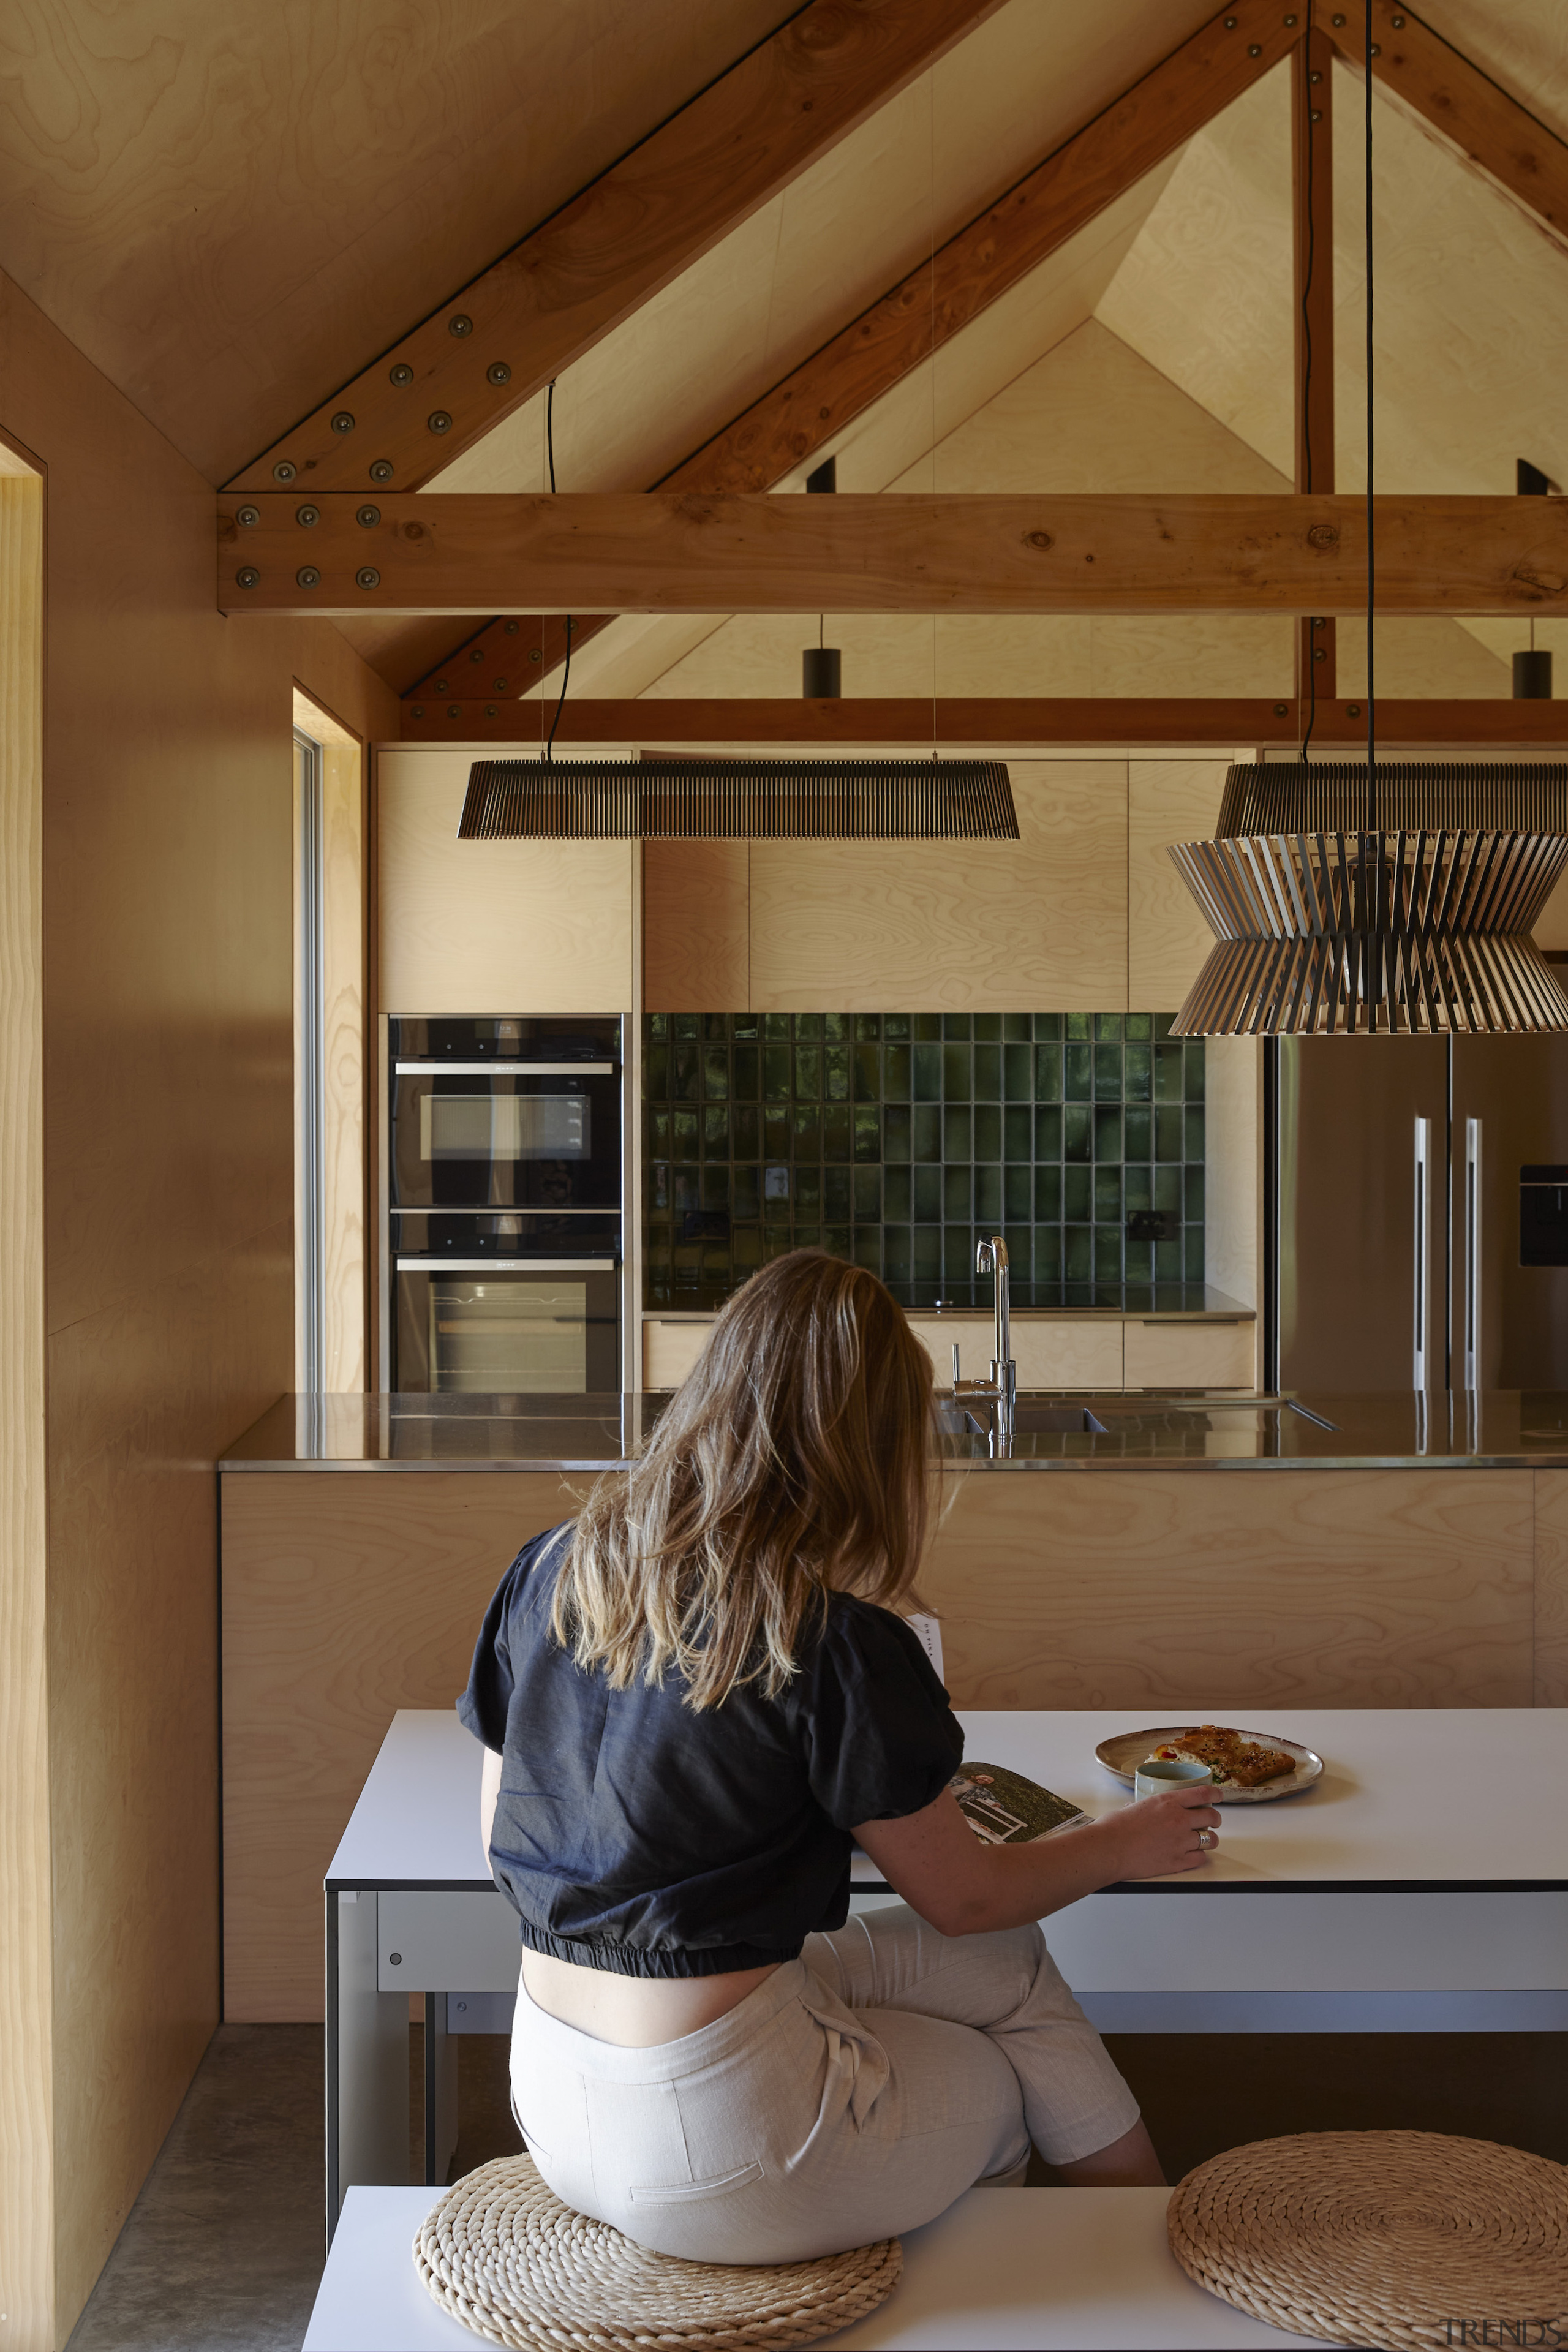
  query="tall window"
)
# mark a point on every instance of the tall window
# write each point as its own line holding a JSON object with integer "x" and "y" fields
{"x": 330, "y": 998}
{"x": 309, "y": 1104}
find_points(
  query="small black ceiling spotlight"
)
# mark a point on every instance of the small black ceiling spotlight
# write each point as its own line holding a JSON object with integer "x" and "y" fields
{"x": 1532, "y": 669}
{"x": 822, "y": 667}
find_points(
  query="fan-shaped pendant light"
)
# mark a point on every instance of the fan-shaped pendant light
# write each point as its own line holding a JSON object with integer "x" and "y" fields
{"x": 1326, "y": 929}
{"x": 1359, "y": 898}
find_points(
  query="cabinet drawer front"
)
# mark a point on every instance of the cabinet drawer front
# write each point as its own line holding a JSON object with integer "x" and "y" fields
{"x": 1191, "y": 1355}
{"x": 670, "y": 1350}
{"x": 1049, "y": 1355}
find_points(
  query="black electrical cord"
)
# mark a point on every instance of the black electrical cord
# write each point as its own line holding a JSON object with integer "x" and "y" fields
{"x": 1307, "y": 366}
{"x": 566, "y": 672}
{"x": 1370, "y": 672}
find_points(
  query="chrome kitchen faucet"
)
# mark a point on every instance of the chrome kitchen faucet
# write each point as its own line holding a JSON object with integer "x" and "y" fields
{"x": 1001, "y": 1390}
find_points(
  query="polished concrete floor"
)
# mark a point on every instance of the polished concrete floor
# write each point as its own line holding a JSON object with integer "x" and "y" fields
{"x": 223, "y": 2248}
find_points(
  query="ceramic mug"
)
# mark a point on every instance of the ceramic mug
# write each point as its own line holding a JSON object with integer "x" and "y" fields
{"x": 1158, "y": 1777}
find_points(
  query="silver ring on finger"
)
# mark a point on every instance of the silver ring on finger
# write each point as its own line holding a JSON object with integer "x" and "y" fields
{"x": 1207, "y": 1840}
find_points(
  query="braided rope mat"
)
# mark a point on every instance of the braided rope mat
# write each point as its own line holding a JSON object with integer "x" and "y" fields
{"x": 1379, "y": 2238}
{"x": 507, "y": 2258}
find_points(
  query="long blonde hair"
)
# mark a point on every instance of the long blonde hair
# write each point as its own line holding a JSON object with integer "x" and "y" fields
{"x": 792, "y": 1463}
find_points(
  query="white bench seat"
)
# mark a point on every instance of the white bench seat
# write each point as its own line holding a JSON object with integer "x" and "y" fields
{"x": 1004, "y": 2270}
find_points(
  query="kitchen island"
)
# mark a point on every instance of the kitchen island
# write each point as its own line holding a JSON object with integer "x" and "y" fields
{"x": 1320, "y": 1550}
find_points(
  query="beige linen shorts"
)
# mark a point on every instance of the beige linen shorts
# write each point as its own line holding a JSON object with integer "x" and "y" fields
{"x": 853, "y": 2095}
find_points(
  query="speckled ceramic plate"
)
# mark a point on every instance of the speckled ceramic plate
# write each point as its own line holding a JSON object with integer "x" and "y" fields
{"x": 1124, "y": 1753}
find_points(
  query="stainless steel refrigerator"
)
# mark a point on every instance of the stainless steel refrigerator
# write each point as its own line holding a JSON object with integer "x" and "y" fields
{"x": 1418, "y": 1213}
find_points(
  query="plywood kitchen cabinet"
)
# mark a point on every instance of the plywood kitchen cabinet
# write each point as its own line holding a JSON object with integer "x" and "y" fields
{"x": 1084, "y": 913}
{"x": 957, "y": 927}
{"x": 493, "y": 926}
{"x": 1098, "y": 1355}
{"x": 697, "y": 927}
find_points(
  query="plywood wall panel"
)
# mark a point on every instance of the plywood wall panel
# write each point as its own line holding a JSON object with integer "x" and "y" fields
{"x": 26, "y": 2186}
{"x": 167, "y": 1228}
{"x": 493, "y": 926}
{"x": 345, "y": 1597}
{"x": 1140, "y": 1589}
{"x": 955, "y": 926}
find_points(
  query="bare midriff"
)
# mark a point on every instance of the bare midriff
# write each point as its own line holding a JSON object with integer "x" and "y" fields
{"x": 634, "y": 2012}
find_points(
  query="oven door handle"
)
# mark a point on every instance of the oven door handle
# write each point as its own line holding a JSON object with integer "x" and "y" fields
{"x": 509, "y": 1265}
{"x": 503, "y": 1069}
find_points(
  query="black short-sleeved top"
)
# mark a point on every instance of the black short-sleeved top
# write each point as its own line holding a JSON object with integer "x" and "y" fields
{"x": 639, "y": 1835}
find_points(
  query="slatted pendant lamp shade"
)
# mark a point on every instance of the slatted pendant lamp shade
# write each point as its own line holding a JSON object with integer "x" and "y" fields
{"x": 1417, "y": 922}
{"x": 738, "y": 799}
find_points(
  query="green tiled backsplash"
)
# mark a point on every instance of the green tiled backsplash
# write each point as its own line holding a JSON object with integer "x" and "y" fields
{"x": 898, "y": 1139}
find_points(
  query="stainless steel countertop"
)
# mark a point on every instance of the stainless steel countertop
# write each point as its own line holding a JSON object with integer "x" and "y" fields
{"x": 1213, "y": 1430}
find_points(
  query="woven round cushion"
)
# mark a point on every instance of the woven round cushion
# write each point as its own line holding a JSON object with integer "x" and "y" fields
{"x": 1379, "y": 2237}
{"x": 504, "y": 2255}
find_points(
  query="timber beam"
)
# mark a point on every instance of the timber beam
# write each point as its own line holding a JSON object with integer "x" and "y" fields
{"x": 976, "y": 722}
{"x": 662, "y": 552}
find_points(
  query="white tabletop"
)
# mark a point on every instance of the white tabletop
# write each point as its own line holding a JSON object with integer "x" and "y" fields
{"x": 1410, "y": 1798}
{"x": 1016, "y": 2269}
{"x": 416, "y": 1822}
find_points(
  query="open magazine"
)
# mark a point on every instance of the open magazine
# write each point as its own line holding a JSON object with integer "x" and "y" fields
{"x": 1004, "y": 1809}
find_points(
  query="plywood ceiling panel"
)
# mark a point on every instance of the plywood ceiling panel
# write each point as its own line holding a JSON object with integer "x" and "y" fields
{"x": 844, "y": 232}
{"x": 230, "y": 208}
{"x": 1523, "y": 45}
{"x": 1471, "y": 299}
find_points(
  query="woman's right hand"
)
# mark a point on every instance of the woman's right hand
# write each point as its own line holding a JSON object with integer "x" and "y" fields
{"x": 1160, "y": 1834}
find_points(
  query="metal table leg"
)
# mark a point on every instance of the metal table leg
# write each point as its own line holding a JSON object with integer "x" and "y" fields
{"x": 367, "y": 2059}
{"x": 440, "y": 2091}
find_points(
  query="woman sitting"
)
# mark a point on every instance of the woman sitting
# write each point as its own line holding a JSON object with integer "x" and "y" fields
{"x": 695, "y": 1698}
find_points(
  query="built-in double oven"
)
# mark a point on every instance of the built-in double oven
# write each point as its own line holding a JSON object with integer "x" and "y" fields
{"x": 504, "y": 1204}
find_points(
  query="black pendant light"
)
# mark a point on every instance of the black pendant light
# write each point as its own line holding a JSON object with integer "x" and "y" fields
{"x": 1361, "y": 898}
{"x": 738, "y": 799}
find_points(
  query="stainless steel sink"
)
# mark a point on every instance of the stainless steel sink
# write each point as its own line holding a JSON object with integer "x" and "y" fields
{"x": 1041, "y": 1419}
{"x": 1029, "y": 1420}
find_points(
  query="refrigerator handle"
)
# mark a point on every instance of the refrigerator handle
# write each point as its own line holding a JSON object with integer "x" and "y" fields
{"x": 1422, "y": 1269}
{"x": 1472, "y": 1332}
